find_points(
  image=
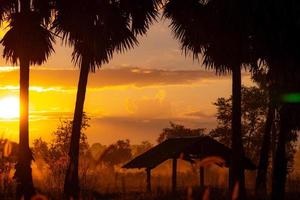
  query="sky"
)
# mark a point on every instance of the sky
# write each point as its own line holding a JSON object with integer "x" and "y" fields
{"x": 133, "y": 97}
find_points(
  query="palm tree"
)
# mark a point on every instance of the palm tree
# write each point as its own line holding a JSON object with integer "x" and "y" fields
{"x": 96, "y": 29}
{"x": 27, "y": 42}
{"x": 262, "y": 169}
{"x": 219, "y": 30}
{"x": 276, "y": 42}
{"x": 261, "y": 77}
{"x": 285, "y": 73}
{"x": 287, "y": 84}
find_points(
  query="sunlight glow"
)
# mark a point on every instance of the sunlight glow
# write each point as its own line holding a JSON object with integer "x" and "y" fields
{"x": 9, "y": 107}
{"x": 8, "y": 68}
{"x": 3, "y": 28}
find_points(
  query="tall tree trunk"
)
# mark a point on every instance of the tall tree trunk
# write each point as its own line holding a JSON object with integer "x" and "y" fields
{"x": 237, "y": 177}
{"x": 274, "y": 138}
{"x": 23, "y": 172}
{"x": 280, "y": 165}
{"x": 261, "y": 178}
{"x": 71, "y": 187}
{"x": 25, "y": 5}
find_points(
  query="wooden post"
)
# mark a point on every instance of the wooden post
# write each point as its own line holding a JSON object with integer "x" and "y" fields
{"x": 174, "y": 175}
{"x": 201, "y": 173}
{"x": 148, "y": 170}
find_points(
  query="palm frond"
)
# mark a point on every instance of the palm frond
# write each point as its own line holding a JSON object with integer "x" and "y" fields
{"x": 27, "y": 39}
{"x": 98, "y": 28}
{"x": 7, "y": 7}
{"x": 142, "y": 13}
{"x": 45, "y": 9}
{"x": 214, "y": 29}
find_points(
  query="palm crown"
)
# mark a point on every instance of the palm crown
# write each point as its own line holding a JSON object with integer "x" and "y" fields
{"x": 28, "y": 36}
{"x": 217, "y": 29}
{"x": 97, "y": 28}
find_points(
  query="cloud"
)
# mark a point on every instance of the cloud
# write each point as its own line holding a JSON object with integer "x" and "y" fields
{"x": 64, "y": 79}
{"x": 36, "y": 89}
{"x": 199, "y": 114}
{"x": 50, "y": 115}
{"x": 153, "y": 107}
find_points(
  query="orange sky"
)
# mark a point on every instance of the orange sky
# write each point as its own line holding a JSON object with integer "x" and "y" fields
{"x": 134, "y": 96}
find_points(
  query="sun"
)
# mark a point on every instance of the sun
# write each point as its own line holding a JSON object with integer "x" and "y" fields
{"x": 9, "y": 107}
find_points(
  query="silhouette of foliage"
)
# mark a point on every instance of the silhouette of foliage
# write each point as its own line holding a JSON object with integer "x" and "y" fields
{"x": 59, "y": 146}
{"x": 254, "y": 112}
{"x": 140, "y": 148}
{"x": 55, "y": 153}
{"x": 176, "y": 131}
{"x": 40, "y": 149}
{"x": 254, "y": 107}
{"x": 61, "y": 140}
{"x": 117, "y": 153}
{"x": 8, "y": 159}
{"x": 96, "y": 150}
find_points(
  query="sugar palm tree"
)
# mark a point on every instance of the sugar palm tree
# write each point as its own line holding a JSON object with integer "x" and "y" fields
{"x": 287, "y": 85}
{"x": 27, "y": 42}
{"x": 262, "y": 79}
{"x": 218, "y": 30}
{"x": 96, "y": 29}
{"x": 276, "y": 42}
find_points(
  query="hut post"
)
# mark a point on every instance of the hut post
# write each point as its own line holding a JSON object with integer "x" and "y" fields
{"x": 148, "y": 170}
{"x": 174, "y": 175}
{"x": 201, "y": 173}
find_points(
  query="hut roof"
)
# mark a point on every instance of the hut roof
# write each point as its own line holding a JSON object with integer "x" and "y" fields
{"x": 187, "y": 148}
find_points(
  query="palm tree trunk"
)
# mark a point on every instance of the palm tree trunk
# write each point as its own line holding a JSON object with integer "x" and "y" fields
{"x": 25, "y": 5}
{"x": 71, "y": 187}
{"x": 23, "y": 172}
{"x": 261, "y": 178}
{"x": 280, "y": 165}
{"x": 237, "y": 177}
{"x": 274, "y": 138}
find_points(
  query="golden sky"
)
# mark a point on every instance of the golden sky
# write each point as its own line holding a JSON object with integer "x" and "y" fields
{"x": 134, "y": 96}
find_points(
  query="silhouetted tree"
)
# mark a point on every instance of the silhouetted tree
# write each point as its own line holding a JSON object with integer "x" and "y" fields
{"x": 220, "y": 31}
{"x": 96, "y": 150}
{"x": 40, "y": 149}
{"x": 27, "y": 42}
{"x": 117, "y": 153}
{"x": 97, "y": 29}
{"x": 140, "y": 148}
{"x": 260, "y": 76}
{"x": 61, "y": 137}
{"x": 273, "y": 122}
{"x": 254, "y": 108}
{"x": 55, "y": 153}
{"x": 177, "y": 131}
{"x": 8, "y": 159}
{"x": 276, "y": 42}
{"x": 8, "y": 154}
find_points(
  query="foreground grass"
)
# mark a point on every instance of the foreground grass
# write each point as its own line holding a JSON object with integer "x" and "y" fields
{"x": 188, "y": 194}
